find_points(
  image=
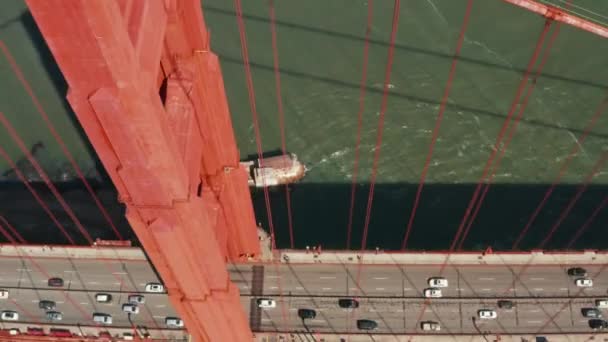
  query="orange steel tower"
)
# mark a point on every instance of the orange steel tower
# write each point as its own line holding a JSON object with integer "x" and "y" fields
{"x": 150, "y": 96}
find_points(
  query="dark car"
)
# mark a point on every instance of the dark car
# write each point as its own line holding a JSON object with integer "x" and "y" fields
{"x": 46, "y": 305}
{"x": 598, "y": 324}
{"x": 591, "y": 313}
{"x": 307, "y": 313}
{"x": 577, "y": 272}
{"x": 505, "y": 304}
{"x": 366, "y": 324}
{"x": 348, "y": 303}
{"x": 56, "y": 282}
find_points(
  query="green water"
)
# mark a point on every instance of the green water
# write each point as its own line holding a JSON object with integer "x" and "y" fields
{"x": 320, "y": 46}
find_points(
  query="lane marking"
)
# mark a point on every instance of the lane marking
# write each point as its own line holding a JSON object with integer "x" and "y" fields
{"x": 34, "y": 300}
{"x": 274, "y": 288}
{"x": 379, "y": 288}
{"x": 327, "y": 277}
{"x": 326, "y": 288}
{"x": 380, "y": 278}
{"x": 487, "y": 278}
{"x": 565, "y": 289}
{"x": 121, "y": 273}
{"x": 84, "y": 303}
{"x": 537, "y": 278}
{"x": 533, "y": 322}
{"x": 158, "y": 316}
{"x": 299, "y": 288}
{"x": 273, "y": 276}
{"x": 69, "y": 271}
{"x": 24, "y": 270}
{"x": 58, "y": 302}
{"x": 534, "y": 310}
{"x": 161, "y": 306}
{"x": 407, "y": 289}
{"x": 266, "y": 319}
{"x": 94, "y": 283}
{"x": 116, "y": 283}
{"x": 293, "y": 309}
{"x": 318, "y": 321}
{"x": 538, "y": 289}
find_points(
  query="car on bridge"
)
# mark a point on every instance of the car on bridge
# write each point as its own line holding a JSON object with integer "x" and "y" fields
{"x": 432, "y": 293}
{"x": 430, "y": 326}
{"x": 9, "y": 315}
{"x": 598, "y": 324}
{"x": 46, "y": 305}
{"x": 601, "y": 303}
{"x": 174, "y": 322}
{"x": 438, "y": 282}
{"x": 103, "y": 298}
{"x": 583, "y": 282}
{"x": 505, "y": 304}
{"x": 266, "y": 303}
{"x": 55, "y": 282}
{"x": 487, "y": 314}
{"x": 136, "y": 299}
{"x": 348, "y": 303}
{"x": 577, "y": 272}
{"x": 54, "y": 316}
{"x": 130, "y": 308}
{"x": 3, "y": 294}
{"x": 367, "y": 324}
{"x": 154, "y": 287}
{"x": 591, "y": 313}
{"x": 102, "y": 318}
{"x": 307, "y": 313}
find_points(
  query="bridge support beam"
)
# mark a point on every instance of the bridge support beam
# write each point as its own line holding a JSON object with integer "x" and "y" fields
{"x": 149, "y": 94}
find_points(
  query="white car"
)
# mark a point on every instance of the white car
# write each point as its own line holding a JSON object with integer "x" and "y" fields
{"x": 432, "y": 293}
{"x": 583, "y": 282}
{"x": 154, "y": 287}
{"x": 430, "y": 326}
{"x": 130, "y": 308}
{"x": 137, "y": 299}
{"x": 102, "y": 318}
{"x": 174, "y": 322}
{"x": 9, "y": 315}
{"x": 601, "y": 303}
{"x": 438, "y": 282}
{"x": 3, "y": 294}
{"x": 266, "y": 303}
{"x": 487, "y": 314}
{"x": 103, "y": 298}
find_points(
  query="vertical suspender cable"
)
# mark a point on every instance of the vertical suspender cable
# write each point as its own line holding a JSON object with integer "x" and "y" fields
{"x": 362, "y": 89}
{"x": 380, "y": 129}
{"x": 56, "y": 135}
{"x": 522, "y": 107}
{"x": 277, "y": 77}
{"x": 435, "y": 135}
{"x": 585, "y": 225}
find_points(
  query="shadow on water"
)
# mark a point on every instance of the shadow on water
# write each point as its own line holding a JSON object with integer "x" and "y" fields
{"x": 320, "y": 214}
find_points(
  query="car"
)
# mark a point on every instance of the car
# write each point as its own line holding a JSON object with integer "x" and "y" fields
{"x": 3, "y": 294}
{"x": 601, "y": 303}
{"x": 14, "y": 331}
{"x": 130, "y": 308}
{"x": 348, "y": 303}
{"x": 583, "y": 282}
{"x": 487, "y": 314}
{"x": 438, "y": 282}
{"x": 46, "y": 305}
{"x": 591, "y": 313}
{"x": 577, "y": 272}
{"x": 266, "y": 303}
{"x": 430, "y": 326}
{"x": 103, "y": 298}
{"x": 54, "y": 332}
{"x": 307, "y": 313}
{"x": 174, "y": 322}
{"x": 127, "y": 336}
{"x": 55, "y": 282}
{"x": 154, "y": 287}
{"x": 505, "y": 304}
{"x": 102, "y": 318}
{"x": 136, "y": 299}
{"x": 598, "y": 324}
{"x": 54, "y": 316}
{"x": 366, "y": 324}
{"x": 432, "y": 293}
{"x": 9, "y": 315}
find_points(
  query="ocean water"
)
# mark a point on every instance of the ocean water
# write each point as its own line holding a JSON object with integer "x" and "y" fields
{"x": 320, "y": 46}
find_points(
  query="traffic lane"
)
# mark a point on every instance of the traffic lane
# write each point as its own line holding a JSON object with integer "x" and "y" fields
{"x": 78, "y": 307}
{"x": 402, "y": 315}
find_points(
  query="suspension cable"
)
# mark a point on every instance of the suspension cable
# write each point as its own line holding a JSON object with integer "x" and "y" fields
{"x": 574, "y": 199}
{"x": 497, "y": 144}
{"x": 17, "y": 71}
{"x": 11, "y": 130}
{"x": 380, "y": 129}
{"x": 258, "y": 137}
{"x": 438, "y": 120}
{"x": 585, "y": 225}
{"x": 277, "y": 77}
{"x": 575, "y": 149}
{"x": 12, "y": 229}
{"x": 362, "y": 89}
{"x": 512, "y": 129}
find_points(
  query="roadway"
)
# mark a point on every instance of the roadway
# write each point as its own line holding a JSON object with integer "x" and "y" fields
{"x": 391, "y": 295}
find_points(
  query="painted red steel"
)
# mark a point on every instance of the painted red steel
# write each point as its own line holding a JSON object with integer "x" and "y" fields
{"x": 150, "y": 96}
